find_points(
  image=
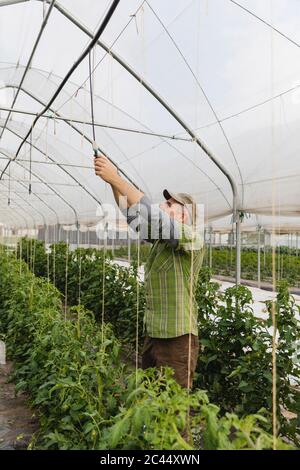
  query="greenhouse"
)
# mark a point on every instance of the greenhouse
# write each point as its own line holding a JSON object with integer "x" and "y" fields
{"x": 149, "y": 225}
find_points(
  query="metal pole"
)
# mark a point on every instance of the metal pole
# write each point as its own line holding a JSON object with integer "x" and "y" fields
{"x": 264, "y": 249}
{"x": 77, "y": 233}
{"x": 97, "y": 124}
{"x": 129, "y": 246}
{"x": 173, "y": 113}
{"x": 238, "y": 248}
{"x": 210, "y": 248}
{"x": 29, "y": 63}
{"x": 258, "y": 259}
{"x": 169, "y": 109}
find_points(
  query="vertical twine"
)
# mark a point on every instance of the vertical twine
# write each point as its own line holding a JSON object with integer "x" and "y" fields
{"x": 66, "y": 276}
{"x": 137, "y": 302}
{"x": 273, "y": 310}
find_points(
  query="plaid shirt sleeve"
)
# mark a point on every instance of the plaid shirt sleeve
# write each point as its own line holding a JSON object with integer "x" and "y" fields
{"x": 153, "y": 223}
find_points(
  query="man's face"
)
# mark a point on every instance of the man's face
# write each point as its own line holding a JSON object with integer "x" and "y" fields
{"x": 175, "y": 210}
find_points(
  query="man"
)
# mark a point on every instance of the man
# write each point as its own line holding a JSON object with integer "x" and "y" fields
{"x": 171, "y": 272}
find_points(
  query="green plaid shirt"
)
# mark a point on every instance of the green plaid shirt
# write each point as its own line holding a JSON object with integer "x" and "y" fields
{"x": 171, "y": 309}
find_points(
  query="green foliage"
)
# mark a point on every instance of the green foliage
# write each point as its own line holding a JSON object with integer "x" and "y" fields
{"x": 287, "y": 262}
{"x": 235, "y": 362}
{"x": 86, "y": 398}
{"x": 158, "y": 413}
{"x": 80, "y": 275}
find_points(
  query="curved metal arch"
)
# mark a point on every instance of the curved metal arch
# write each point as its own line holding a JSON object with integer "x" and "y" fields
{"x": 173, "y": 113}
{"x": 149, "y": 88}
{"x": 121, "y": 171}
{"x": 203, "y": 92}
{"x": 50, "y": 187}
{"x": 79, "y": 131}
{"x": 43, "y": 25}
{"x": 186, "y": 127}
{"x": 50, "y": 158}
{"x": 71, "y": 70}
{"x": 5, "y": 209}
{"x": 21, "y": 207}
{"x": 6, "y": 154}
{"x": 164, "y": 139}
{"x": 28, "y": 203}
{"x": 43, "y": 153}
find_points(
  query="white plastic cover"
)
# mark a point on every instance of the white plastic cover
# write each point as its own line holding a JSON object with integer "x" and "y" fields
{"x": 233, "y": 79}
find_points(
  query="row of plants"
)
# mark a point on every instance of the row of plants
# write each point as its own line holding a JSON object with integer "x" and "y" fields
{"x": 222, "y": 260}
{"x": 235, "y": 363}
{"x": 86, "y": 398}
{"x": 287, "y": 263}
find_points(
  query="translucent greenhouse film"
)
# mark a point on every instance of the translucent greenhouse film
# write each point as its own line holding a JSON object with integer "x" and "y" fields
{"x": 201, "y": 97}
{"x": 230, "y": 77}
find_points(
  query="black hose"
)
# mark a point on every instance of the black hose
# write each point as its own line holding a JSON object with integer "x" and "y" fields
{"x": 68, "y": 75}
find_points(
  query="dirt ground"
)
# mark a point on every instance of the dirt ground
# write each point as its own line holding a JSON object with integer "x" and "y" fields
{"x": 17, "y": 421}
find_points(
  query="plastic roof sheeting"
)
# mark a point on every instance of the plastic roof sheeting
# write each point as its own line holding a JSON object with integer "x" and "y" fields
{"x": 229, "y": 76}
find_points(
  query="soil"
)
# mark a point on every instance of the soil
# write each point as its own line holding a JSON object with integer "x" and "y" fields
{"x": 17, "y": 421}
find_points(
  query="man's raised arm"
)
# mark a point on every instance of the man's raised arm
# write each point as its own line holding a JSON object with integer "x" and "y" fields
{"x": 121, "y": 188}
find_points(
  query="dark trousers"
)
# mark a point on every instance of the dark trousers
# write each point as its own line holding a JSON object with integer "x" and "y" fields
{"x": 180, "y": 353}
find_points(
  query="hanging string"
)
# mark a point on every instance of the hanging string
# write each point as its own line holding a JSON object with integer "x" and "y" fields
{"x": 30, "y": 260}
{"x": 20, "y": 254}
{"x": 264, "y": 250}
{"x": 33, "y": 258}
{"x": 92, "y": 104}
{"x": 137, "y": 300}
{"x": 9, "y": 183}
{"x": 47, "y": 254}
{"x": 103, "y": 280}
{"x": 104, "y": 267}
{"x": 46, "y": 139}
{"x": 54, "y": 256}
{"x": 79, "y": 277}
{"x": 27, "y": 248}
{"x": 30, "y": 164}
{"x": 66, "y": 275}
{"x": 54, "y": 125}
{"x": 83, "y": 125}
{"x": 128, "y": 246}
{"x": 273, "y": 309}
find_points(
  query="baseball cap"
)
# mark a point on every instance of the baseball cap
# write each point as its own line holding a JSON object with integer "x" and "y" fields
{"x": 186, "y": 200}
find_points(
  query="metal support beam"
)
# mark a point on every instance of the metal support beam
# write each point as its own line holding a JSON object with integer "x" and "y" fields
{"x": 258, "y": 258}
{"x": 52, "y": 189}
{"x": 96, "y": 124}
{"x": 235, "y": 208}
{"x": 173, "y": 113}
{"x": 35, "y": 46}
{"x": 88, "y": 48}
{"x": 238, "y": 248}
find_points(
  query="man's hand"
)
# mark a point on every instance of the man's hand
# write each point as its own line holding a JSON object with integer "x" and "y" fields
{"x": 105, "y": 169}
{"x": 109, "y": 173}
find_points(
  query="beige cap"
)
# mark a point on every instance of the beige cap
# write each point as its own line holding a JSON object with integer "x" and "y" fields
{"x": 186, "y": 200}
